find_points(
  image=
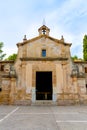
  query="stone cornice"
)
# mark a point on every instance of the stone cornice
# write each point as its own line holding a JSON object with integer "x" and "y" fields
{"x": 80, "y": 62}
{"x": 46, "y": 36}
{"x": 78, "y": 76}
{"x": 43, "y": 59}
{"x": 8, "y": 76}
{"x": 7, "y": 61}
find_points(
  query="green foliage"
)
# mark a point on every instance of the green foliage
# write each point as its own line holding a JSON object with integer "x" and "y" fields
{"x": 1, "y": 52}
{"x": 74, "y": 57}
{"x": 85, "y": 48}
{"x": 12, "y": 57}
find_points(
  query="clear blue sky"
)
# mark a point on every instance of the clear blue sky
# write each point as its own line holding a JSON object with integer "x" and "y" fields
{"x": 63, "y": 17}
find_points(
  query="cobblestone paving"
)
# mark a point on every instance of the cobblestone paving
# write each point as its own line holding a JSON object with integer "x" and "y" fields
{"x": 43, "y": 117}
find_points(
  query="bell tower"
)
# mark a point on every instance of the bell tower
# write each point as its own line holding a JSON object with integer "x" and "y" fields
{"x": 44, "y": 30}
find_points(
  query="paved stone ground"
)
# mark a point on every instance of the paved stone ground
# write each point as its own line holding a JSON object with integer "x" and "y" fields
{"x": 43, "y": 117}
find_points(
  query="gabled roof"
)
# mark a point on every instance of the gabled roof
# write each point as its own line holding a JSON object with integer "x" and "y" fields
{"x": 46, "y": 36}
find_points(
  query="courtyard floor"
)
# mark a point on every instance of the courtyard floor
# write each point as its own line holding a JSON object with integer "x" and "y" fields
{"x": 43, "y": 117}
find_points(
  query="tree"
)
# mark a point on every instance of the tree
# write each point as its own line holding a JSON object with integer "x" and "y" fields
{"x": 12, "y": 57}
{"x": 1, "y": 51}
{"x": 74, "y": 57}
{"x": 85, "y": 48}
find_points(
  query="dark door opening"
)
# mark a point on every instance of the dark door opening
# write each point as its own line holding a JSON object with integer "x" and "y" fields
{"x": 43, "y": 85}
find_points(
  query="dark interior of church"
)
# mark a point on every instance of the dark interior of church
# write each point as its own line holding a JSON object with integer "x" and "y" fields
{"x": 43, "y": 85}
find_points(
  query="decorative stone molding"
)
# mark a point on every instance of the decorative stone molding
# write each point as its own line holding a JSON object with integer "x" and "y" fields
{"x": 43, "y": 59}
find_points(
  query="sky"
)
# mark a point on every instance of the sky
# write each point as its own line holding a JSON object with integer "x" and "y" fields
{"x": 24, "y": 17}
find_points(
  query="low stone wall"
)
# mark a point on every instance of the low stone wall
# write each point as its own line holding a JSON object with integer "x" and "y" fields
{"x": 22, "y": 102}
{"x": 4, "y": 97}
{"x": 68, "y": 99}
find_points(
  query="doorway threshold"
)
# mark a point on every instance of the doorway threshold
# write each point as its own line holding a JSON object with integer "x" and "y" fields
{"x": 44, "y": 103}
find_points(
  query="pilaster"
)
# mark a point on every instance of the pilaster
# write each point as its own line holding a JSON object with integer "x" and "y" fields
{"x": 23, "y": 80}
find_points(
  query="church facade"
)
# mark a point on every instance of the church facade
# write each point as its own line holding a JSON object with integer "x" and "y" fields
{"x": 43, "y": 73}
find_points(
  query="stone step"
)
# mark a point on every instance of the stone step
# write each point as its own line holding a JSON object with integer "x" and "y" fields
{"x": 43, "y": 103}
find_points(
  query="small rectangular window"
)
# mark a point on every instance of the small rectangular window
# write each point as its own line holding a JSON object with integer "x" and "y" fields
{"x": 0, "y": 89}
{"x": 44, "y": 53}
{"x": 85, "y": 69}
{"x": 2, "y": 67}
{"x": 86, "y": 88}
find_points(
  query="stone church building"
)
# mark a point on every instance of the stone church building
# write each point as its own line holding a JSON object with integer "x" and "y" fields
{"x": 43, "y": 73}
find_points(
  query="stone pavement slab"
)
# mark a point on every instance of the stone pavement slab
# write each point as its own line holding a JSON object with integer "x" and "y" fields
{"x": 43, "y": 117}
